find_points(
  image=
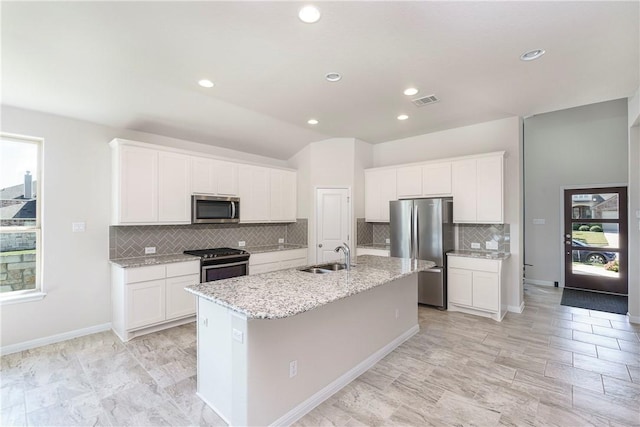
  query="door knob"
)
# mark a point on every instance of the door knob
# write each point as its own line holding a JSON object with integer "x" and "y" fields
{"x": 319, "y": 245}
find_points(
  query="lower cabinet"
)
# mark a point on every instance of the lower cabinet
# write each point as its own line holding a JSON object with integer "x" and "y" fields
{"x": 476, "y": 286}
{"x": 148, "y": 299}
{"x": 280, "y": 260}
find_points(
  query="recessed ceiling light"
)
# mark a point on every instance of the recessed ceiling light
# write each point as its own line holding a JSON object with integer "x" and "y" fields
{"x": 403, "y": 117}
{"x": 205, "y": 83}
{"x": 532, "y": 54}
{"x": 333, "y": 77}
{"x": 312, "y": 121}
{"x": 309, "y": 14}
{"x": 410, "y": 91}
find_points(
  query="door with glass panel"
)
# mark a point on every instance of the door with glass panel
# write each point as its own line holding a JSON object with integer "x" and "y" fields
{"x": 595, "y": 239}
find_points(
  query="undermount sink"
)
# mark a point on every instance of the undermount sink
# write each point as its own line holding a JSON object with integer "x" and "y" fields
{"x": 324, "y": 268}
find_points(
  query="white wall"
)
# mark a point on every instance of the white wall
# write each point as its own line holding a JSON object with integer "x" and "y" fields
{"x": 335, "y": 162}
{"x": 76, "y": 187}
{"x": 634, "y": 206}
{"x": 498, "y": 135}
{"x": 585, "y": 146}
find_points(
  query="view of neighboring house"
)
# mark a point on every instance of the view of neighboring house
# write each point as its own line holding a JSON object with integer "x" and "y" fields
{"x": 18, "y": 203}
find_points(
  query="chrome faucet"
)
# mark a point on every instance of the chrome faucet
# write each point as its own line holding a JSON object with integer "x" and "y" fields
{"x": 347, "y": 254}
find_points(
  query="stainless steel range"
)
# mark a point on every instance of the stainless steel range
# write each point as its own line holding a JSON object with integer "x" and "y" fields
{"x": 221, "y": 263}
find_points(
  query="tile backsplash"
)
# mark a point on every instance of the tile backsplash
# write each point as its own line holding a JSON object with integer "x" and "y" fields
{"x": 130, "y": 241}
{"x": 371, "y": 232}
{"x": 482, "y": 233}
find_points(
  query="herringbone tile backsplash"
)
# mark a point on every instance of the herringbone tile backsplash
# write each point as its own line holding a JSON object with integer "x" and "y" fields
{"x": 482, "y": 233}
{"x": 130, "y": 241}
{"x": 364, "y": 232}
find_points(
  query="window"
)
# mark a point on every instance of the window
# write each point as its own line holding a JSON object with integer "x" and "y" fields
{"x": 20, "y": 217}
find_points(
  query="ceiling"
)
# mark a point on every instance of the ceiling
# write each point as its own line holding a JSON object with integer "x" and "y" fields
{"x": 135, "y": 65}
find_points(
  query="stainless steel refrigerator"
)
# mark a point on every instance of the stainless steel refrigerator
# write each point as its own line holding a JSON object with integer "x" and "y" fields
{"x": 423, "y": 229}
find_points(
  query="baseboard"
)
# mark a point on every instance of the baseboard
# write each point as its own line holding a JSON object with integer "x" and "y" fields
{"x": 539, "y": 282}
{"x": 39, "y": 342}
{"x": 633, "y": 319}
{"x": 305, "y": 407}
{"x": 515, "y": 308}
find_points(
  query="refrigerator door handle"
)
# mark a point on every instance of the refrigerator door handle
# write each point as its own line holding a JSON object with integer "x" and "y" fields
{"x": 415, "y": 233}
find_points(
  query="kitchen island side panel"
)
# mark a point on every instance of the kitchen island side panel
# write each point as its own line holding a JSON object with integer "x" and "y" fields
{"x": 325, "y": 343}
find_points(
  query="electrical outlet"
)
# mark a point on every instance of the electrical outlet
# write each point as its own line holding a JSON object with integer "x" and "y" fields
{"x": 387, "y": 241}
{"x": 397, "y": 313}
{"x": 281, "y": 240}
{"x": 242, "y": 243}
{"x": 475, "y": 246}
{"x": 150, "y": 250}
{"x": 493, "y": 245}
{"x": 238, "y": 335}
{"x": 293, "y": 368}
{"x": 78, "y": 227}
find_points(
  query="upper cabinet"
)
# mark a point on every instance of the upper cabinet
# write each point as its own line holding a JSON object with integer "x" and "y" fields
{"x": 478, "y": 190}
{"x": 153, "y": 185}
{"x": 379, "y": 190}
{"x": 475, "y": 182}
{"x": 211, "y": 176}
{"x": 267, "y": 195}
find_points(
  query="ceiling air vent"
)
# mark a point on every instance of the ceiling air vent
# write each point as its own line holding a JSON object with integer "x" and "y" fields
{"x": 420, "y": 102}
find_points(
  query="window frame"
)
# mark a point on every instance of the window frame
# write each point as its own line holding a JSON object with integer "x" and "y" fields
{"x": 38, "y": 292}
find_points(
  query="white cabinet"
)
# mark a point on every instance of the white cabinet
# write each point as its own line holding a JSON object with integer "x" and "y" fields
{"x": 279, "y": 260}
{"x": 478, "y": 190}
{"x": 436, "y": 179}
{"x": 379, "y": 190}
{"x": 174, "y": 188}
{"x": 282, "y": 195}
{"x": 135, "y": 185}
{"x": 266, "y": 194}
{"x": 372, "y": 251}
{"x": 211, "y": 176}
{"x": 475, "y": 286}
{"x": 147, "y": 299}
{"x": 409, "y": 182}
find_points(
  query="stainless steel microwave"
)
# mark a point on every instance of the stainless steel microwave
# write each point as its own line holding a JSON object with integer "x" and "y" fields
{"x": 214, "y": 209}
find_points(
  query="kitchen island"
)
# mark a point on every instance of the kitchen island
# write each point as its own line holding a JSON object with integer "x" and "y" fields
{"x": 273, "y": 346}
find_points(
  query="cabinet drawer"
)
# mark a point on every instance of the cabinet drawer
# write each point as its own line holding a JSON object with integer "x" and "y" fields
{"x": 142, "y": 274}
{"x": 476, "y": 264}
{"x": 183, "y": 268}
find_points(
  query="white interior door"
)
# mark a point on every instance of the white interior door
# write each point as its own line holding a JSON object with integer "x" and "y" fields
{"x": 332, "y": 222}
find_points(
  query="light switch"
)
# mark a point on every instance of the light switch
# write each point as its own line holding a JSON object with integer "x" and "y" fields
{"x": 539, "y": 221}
{"x": 78, "y": 227}
{"x": 238, "y": 335}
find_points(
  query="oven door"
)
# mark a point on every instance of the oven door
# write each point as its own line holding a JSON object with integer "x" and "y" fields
{"x": 211, "y": 273}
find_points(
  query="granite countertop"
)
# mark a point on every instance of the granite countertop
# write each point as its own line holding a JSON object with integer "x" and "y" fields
{"x": 285, "y": 293}
{"x": 480, "y": 254}
{"x": 382, "y": 246}
{"x": 144, "y": 261}
{"x": 273, "y": 248}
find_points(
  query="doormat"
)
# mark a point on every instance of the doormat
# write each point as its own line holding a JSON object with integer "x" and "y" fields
{"x": 595, "y": 301}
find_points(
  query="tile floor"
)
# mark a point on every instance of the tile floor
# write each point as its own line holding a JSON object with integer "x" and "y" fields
{"x": 551, "y": 365}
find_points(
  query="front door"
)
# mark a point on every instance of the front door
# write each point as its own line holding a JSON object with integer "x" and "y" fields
{"x": 595, "y": 239}
{"x": 332, "y": 222}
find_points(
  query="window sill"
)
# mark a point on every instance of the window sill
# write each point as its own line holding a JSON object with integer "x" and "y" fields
{"x": 17, "y": 299}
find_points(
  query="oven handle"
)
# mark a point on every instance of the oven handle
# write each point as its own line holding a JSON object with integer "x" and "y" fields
{"x": 208, "y": 267}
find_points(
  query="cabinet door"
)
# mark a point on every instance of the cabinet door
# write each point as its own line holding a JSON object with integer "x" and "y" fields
{"x": 379, "y": 190}
{"x": 226, "y": 174}
{"x": 486, "y": 290}
{"x": 490, "y": 190}
{"x": 180, "y": 303}
{"x": 283, "y": 195}
{"x": 254, "y": 190}
{"x": 174, "y": 188}
{"x": 138, "y": 192}
{"x": 463, "y": 183}
{"x": 436, "y": 179}
{"x": 459, "y": 286}
{"x": 409, "y": 181}
{"x": 145, "y": 303}
{"x": 202, "y": 176}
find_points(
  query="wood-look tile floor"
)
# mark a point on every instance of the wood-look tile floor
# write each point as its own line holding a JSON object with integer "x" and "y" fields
{"x": 551, "y": 365}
